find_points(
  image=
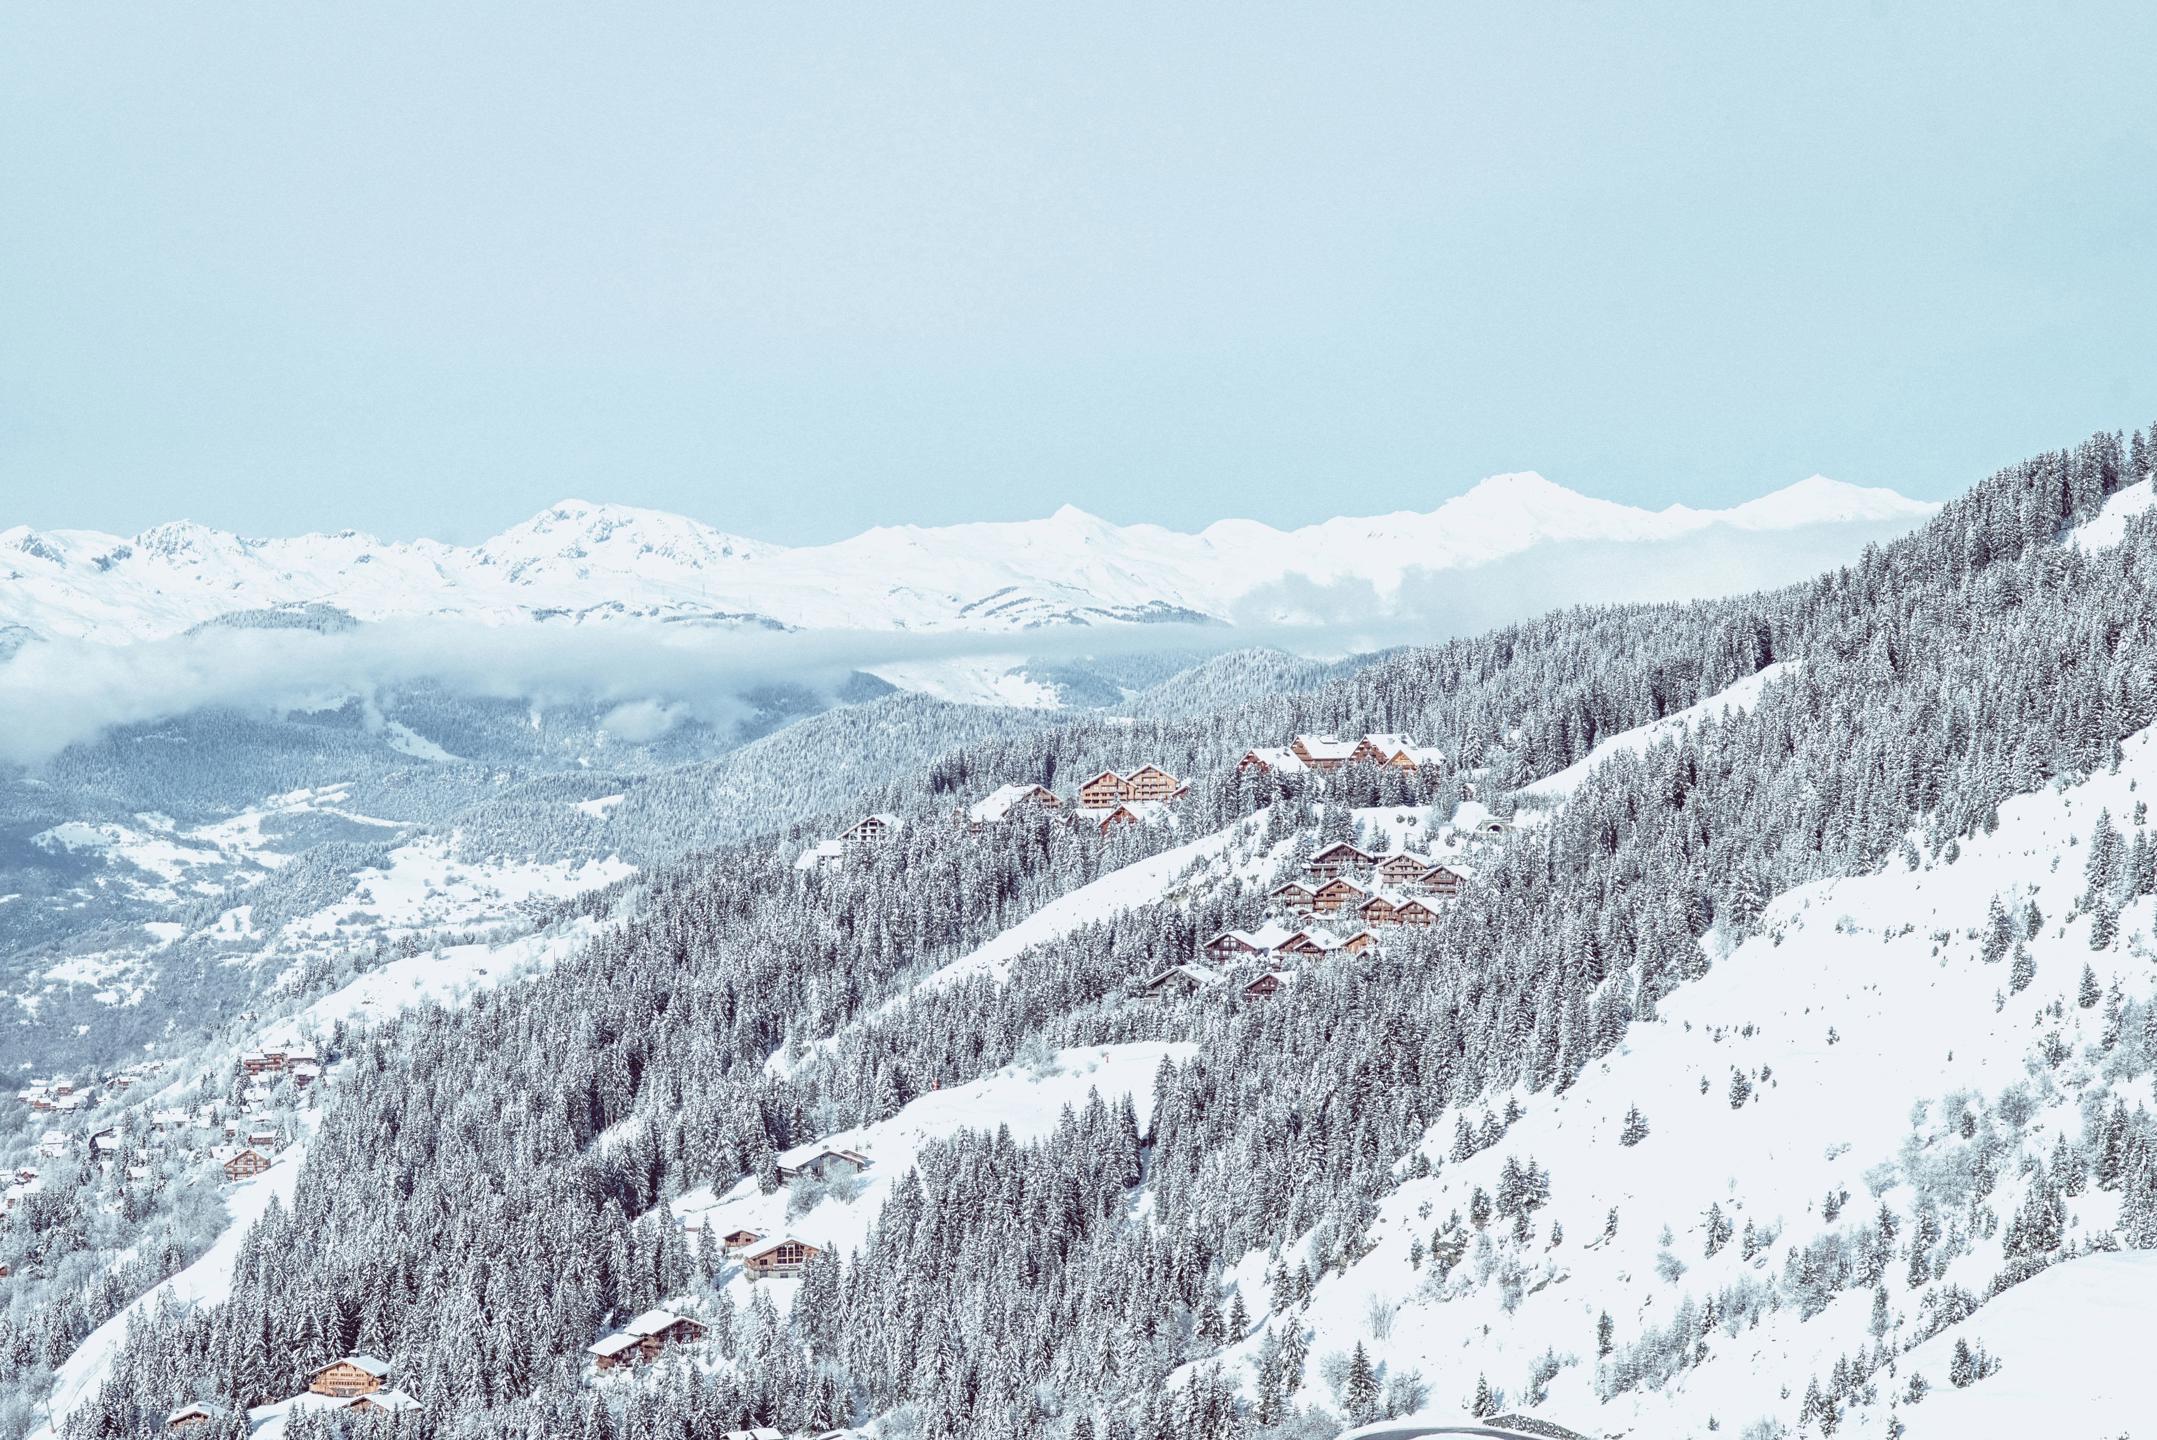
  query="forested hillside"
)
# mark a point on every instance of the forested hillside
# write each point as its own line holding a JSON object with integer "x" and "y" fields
{"x": 490, "y": 1186}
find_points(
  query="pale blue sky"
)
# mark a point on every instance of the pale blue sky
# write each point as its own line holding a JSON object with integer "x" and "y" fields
{"x": 801, "y": 269}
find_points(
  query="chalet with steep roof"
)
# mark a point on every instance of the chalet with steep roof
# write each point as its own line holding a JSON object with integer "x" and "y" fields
{"x": 872, "y": 830}
{"x": 1339, "y": 858}
{"x": 816, "y": 1162}
{"x": 1151, "y": 782}
{"x": 777, "y": 1259}
{"x": 1104, "y": 791}
{"x": 1322, "y": 752}
{"x": 1294, "y": 894}
{"x": 1335, "y": 896}
{"x": 997, "y": 806}
{"x": 353, "y": 1375}
{"x": 187, "y": 1417}
{"x": 1180, "y": 980}
{"x": 644, "y": 1338}
{"x": 1232, "y": 945}
{"x": 1272, "y": 760}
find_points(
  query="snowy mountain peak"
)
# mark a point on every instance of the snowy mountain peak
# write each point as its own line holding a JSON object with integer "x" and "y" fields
{"x": 583, "y": 560}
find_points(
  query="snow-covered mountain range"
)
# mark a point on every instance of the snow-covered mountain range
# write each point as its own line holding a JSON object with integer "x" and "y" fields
{"x": 581, "y": 561}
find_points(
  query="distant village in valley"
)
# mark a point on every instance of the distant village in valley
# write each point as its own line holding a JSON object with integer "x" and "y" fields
{"x": 1339, "y": 899}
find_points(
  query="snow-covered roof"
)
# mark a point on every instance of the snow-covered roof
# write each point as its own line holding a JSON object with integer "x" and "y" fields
{"x": 205, "y": 1409}
{"x": 395, "y": 1401}
{"x": 1288, "y": 885}
{"x": 1340, "y": 881}
{"x": 1275, "y": 757}
{"x": 761, "y": 1432}
{"x": 1404, "y": 854}
{"x": 366, "y": 1364}
{"x": 1265, "y": 937}
{"x": 653, "y": 1322}
{"x": 1326, "y": 747}
{"x": 765, "y": 1247}
{"x": 611, "y": 1345}
{"x": 1198, "y": 974}
{"x": 999, "y": 802}
{"x": 823, "y": 852}
{"x": 1352, "y": 848}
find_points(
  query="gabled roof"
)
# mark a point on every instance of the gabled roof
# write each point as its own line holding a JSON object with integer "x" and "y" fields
{"x": 653, "y": 1322}
{"x": 1197, "y": 974}
{"x": 1275, "y": 757}
{"x": 1000, "y": 802}
{"x": 1338, "y": 882}
{"x": 367, "y": 1364}
{"x": 1326, "y": 747}
{"x": 208, "y": 1410}
{"x": 766, "y": 1247}
{"x": 1288, "y": 885}
{"x": 1349, "y": 846}
{"x": 1146, "y": 769}
{"x": 1104, "y": 775}
{"x": 395, "y": 1401}
{"x": 611, "y": 1345}
{"x": 1422, "y": 860}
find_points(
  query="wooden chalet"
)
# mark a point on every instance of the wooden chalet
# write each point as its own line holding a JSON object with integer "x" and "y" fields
{"x": 1104, "y": 791}
{"x": 353, "y": 1375}
{"x": 644, "y": 1338}
{"x": 871, "y": 830}
{"x": 1130, "y": 812}
{"x": 1265, "y": 987}
{"x": 187, "y": 1417}
{"x": 1337, "y": 895}
{"x": 1377, "y": 910}
{"x": 6, "y": 1269}
{"x": 1232, "y": 945}
{"x": 1339, "y": 858}
{"x": 390, "y": 1402}
{"x": 1178, "y": 981}
{"x": 1438, "y": 880}
{"x": 1400, "y": 867}
{"x": 1308, "y": 944}
{"x": 1412, "y": 911}
{"x": 1322, "y": 752}
{"x": 1399, "y": 751}
{"x": 1271, "y": 760}
{"x": 735, "y": 1240}
{"x": 1359, "y": 943}
{"x": 777, "y": 1259}
{"x": 1295, "y": 895}
{"x": 1151, "y": 782}
{"x": 814, "y": 1162}
{"x": 240, "y": 1162}
{"x": 997, "y": 806}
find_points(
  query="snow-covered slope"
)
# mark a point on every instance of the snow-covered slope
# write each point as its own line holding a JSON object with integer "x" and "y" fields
{"x": 1739, "y": 698}
{"x": 584, "y": 561}
{"x": 1864, "y": 1047}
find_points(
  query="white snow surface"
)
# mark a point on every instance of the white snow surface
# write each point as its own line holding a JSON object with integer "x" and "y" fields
{"x": 1738, "y": 698}
{"x": 1869, "y": 1006}
{"x": 208, "y": 1281}
{"x": 1028, "y": 1101}
{"x": 578, "y": 560}
{"x": 2108, "y": 527}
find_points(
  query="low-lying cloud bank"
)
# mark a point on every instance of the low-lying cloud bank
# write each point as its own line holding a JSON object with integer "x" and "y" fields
{"x": 55, "y": 694}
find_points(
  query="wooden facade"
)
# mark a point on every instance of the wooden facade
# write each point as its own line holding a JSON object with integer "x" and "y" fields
{"x": 735, "y": 1240}
{"x": 353, "y": 1375}
{"x": 187, "y": 1417}
{"x": 1265, "y": 987}
{"x": 1401, "y": 868}
{"x": 781, "y": 1258}
{"x": 1230, "y": 946}
{"x": 1337, "y": 895}
{"x": 247, "y": 1164}
{"x": 645, "y": 1338}
{"x": 1151, "y": 782}
{"x": 1104, "y": 791}
{"x": 1414, "y": 912}
{"x": 1339, "y": 858}
{"x": 871, "y": 830}
{"x": 826, "y": 1165}
{"x": 1295, "y": 895}
{"x": 1438, "y": 880}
